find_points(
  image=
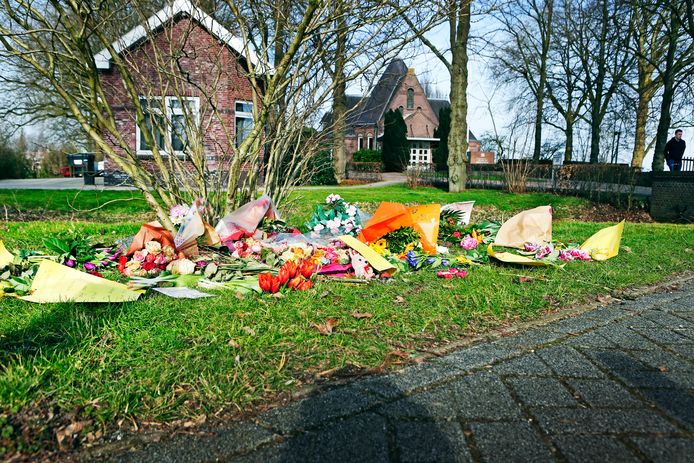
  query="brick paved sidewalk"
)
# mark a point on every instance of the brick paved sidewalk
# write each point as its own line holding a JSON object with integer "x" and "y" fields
{"x": 613, "y": 384}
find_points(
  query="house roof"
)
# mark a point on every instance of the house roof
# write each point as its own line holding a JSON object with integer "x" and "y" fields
{"x": 370, "y": 109}
{"x": 160, "y": 18}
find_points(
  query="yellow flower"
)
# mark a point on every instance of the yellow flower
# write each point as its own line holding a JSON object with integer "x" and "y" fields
{"x": 317, "y": 255}
{"x": 379, "y": 246}
{"x": 463, "y": 260}
{"x": 478, "y": 236}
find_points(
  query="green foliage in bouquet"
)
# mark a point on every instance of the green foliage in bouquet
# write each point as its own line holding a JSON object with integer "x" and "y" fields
{"x": 335, "y": 217}
{"x": 399, "y": 239}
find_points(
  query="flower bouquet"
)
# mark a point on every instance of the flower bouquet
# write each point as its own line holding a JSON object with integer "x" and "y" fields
{"x": 335, "y": 217}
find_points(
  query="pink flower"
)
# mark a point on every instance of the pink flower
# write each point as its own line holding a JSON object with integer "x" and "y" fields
{"x": 580, "y": 254}
{"x": 531, "y": 247}
{"x": 161, "y": 259}
{"x": 566, "y": 255}
{"x": 456, "y": 234}
{"x": 468, "y": 243}
{"x": 543, "y": 252}
{"x": 451, "y": 273}
{"x": 140, "y": 255}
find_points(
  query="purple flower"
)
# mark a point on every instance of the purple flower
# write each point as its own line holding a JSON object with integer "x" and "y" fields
{"x": 103, "y": 263}
{"x": 70, "y": 263}
{"x": 566, "y": 255}
{"x": 89, "y": 266}
{"x": 468, "y": 243}
{"x": 429, "y": 261}
{"x": 580, "y": 254}
{"x": 201, "y": 263}
{"x": 411, "y": 258}
{"x": 112, "y": 257}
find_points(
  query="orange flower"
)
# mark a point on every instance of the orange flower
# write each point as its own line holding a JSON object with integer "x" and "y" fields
{"x": 307, "y": 268}
{"x": 283, "y": 276}
{"x": 295, "y": 282}
{"x": 291, "y": 268}
{"x": 268, "y": 283}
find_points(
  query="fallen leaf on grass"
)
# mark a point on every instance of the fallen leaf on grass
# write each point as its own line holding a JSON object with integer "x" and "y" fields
{"x": 327, "y": 327}
{"x": 233, "y": 344}
{"x": 524, "y": 279}
{"x": 607, "y": 299}
{"x": 249, "y": 330}
{"x": 66, "y": 432}
{"x": 283, "y": 362}
{"x": 360, "y": 315}
{"x": 395, "y": 357}
{"x": 399, "y": 300}
{"x": 324, "y": 294}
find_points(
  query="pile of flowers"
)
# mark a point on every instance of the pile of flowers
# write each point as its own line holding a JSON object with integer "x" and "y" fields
{"x": 335, "y": 217}
{"x": 553, "y": 252}
{"x": 153, "y": 259}
{"x": 81, "y": 254}
{"x": 452, "y": 272}
{"x": 292, "y": 275}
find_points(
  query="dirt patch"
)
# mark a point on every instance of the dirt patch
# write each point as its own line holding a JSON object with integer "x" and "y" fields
{"x": 598, "y": 212}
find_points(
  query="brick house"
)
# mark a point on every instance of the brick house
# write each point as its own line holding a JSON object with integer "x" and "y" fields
{"x": 399, "y": 88}
{"x": 188, "y": 69}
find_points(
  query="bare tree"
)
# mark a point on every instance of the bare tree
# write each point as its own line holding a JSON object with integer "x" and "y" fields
{"x": 523, "y": 55}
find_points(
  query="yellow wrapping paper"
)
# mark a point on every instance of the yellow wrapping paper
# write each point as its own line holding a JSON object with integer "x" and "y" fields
{"x": 604, "y": 244}
{"x": 531, "y": 226}
{"x": 6, "y": 257}
{"x": 57, "y": 283}
{"x": 511, "y": 258}
{"x": 372, "y": 257}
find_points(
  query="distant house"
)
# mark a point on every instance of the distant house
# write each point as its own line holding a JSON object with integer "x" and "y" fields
{"x": 183, "y": 62}
{"x": 399, "y": 88}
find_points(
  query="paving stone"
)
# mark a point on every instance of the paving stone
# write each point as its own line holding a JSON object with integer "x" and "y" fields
{"x": 541, "y": 391}
{"x": 572, "y": 325}
{"x": 625, "y": 337}
{"x": 435, "y": 404}
{"x": 410, "y": 379}
{"x": 669, "y": 449}
{"x": 667, "y": 320}
{"x": 423, "y": 442}
{"x": 648, "y": 379}
{"x": 219, "y": 446}
{"x": 530, "y": 339}
{"x": 608, "y": 314}
{"x": 317, "y": 409}
{"x": 512, "y": 442}
{"x": 580, "y": 449}
{"x": 479, "y": 356}
{"x": 599, "y": 421}
{"x": 684, "y": 350}
{"x": 360, "y": 438}
{"x": 662, "y": 360}
{"x": 603, "y": 393}
{"x": 663, "y": 335}
{"x": 677, "y": 403}
{"x": 590, "y": 340}
{"x": 566, "y": 361}
{"x": 526, "y": 365}
{"x": 495, "y": 403}
{"x": 615, "y": 360}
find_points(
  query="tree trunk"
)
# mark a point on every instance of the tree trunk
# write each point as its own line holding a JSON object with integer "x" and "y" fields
{"x": 569, "y": 146}
{"x": 339, "y": 127}
{"x": 640, "y": 132}
{"x": 668, "y": 92}
{"x": 595, "y": 122}
{"x": 540, "y": 96}
{"x": 457, "y": 138}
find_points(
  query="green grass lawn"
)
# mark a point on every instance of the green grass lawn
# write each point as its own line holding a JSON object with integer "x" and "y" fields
{"x": 160, "y": 359}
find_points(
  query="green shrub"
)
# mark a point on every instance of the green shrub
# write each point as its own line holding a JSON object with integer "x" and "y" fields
{"x": 367, "y": 155}
{"x": 321, "y": 171}
{"x": 12, "y": 163}
{"x": 396, "y": 148}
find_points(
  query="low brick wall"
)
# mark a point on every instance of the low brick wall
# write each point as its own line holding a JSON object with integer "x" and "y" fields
{"x": 672, "y": 197}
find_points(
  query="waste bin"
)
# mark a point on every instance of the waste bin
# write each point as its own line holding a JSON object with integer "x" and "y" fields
{"x": 83, "y": 165}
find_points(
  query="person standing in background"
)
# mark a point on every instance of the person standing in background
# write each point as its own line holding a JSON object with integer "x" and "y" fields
{"x": 674, "y": 150}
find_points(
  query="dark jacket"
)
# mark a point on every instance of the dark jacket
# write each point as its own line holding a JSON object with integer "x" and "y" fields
{"x": 674, "y": 149}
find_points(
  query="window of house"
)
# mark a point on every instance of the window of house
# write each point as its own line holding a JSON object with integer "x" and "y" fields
{"x": 360, "y": 142}
{"x": 169, "y": 120}
{"x": 243, "y": 121}
{"x": 370, "y": 142}
{"x": 410, "y": 98}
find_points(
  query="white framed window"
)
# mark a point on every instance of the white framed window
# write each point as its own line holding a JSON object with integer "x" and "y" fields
{"x": 243, "y": 120}
{"x": 167, "y": 120}
{"x": 360, "y": 142}
{"x": 370, "y": 142}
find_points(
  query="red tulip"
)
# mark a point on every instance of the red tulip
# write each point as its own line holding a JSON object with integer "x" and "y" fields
{"x": 307, "y": 268}
{"x": 265, "y": 281}
{"x": 304, "y": 285}
{"x": 295, "y": 282}
{"x": 283, "y": 275}
{"x": 275, "y": 285}
{"x": 292, "y": 268}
